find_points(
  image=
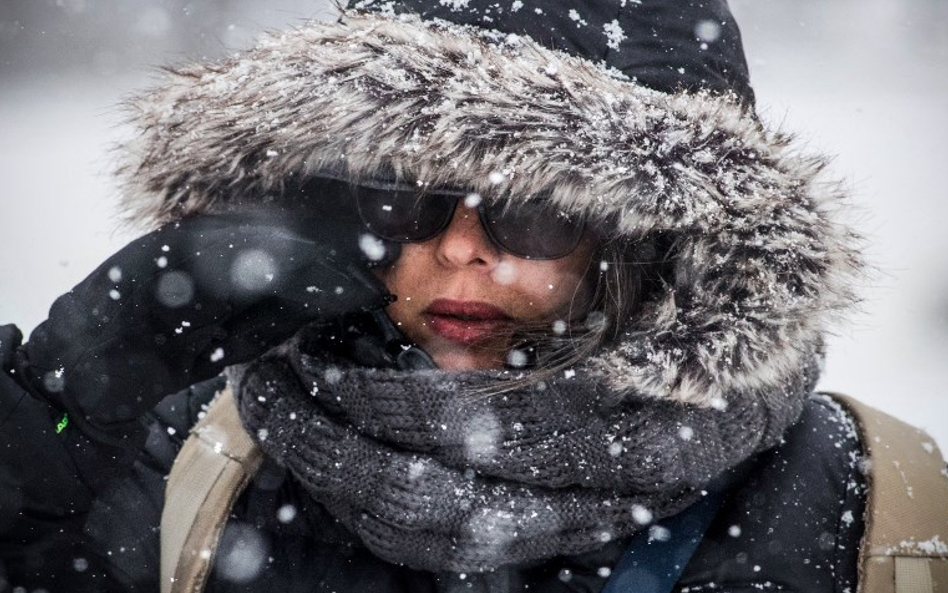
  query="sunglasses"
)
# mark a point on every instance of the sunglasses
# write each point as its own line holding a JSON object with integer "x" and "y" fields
{"x": 528, "y": 230}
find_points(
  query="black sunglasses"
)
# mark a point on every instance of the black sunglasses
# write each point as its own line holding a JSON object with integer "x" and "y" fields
{"x": 529, "y": 230}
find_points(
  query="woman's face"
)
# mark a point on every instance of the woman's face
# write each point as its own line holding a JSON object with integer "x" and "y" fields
{"x": 460, "y": 296}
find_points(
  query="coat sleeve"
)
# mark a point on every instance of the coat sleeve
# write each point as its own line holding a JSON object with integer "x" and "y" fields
{"x": 50, "y": 476}
{"x": 77, "y": 514}
{"x": 41, "y": 488}
{"x": 43, "y": 498}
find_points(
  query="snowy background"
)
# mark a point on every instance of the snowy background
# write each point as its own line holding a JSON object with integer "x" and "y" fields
{"x": 862, "y": 79}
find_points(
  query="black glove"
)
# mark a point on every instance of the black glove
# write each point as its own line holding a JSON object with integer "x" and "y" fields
{"x": 47, "y": 473}
{"x": 176, "y": 306}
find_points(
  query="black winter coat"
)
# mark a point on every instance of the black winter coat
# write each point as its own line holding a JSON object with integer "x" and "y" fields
{"x": 790, "y": 522}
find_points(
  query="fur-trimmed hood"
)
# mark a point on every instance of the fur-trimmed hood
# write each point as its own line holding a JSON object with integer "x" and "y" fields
{"x": 760, "y": 267}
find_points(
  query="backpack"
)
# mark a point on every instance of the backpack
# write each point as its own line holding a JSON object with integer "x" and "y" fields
{"x": 904, "y": 548}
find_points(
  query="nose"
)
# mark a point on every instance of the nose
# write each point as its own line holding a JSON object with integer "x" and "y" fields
{"x": 465, "y": 242}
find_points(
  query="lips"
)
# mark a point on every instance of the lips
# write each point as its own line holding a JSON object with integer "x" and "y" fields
{"x": 466, "y": 322}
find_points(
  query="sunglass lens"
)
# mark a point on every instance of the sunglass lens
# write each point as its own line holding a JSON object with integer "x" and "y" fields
{"x": 532, "y": 231}
{"x": 401, "y": 215}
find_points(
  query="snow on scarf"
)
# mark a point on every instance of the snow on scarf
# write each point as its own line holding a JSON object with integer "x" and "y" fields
{"x": 429, "y": 472}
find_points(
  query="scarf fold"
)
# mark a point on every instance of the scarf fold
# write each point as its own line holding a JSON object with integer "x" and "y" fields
{"x": 429, "y": 472}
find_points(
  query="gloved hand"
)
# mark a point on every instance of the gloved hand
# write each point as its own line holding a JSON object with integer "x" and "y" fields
{"x": 176, "y": 306}
{"x": 43, "y": 474}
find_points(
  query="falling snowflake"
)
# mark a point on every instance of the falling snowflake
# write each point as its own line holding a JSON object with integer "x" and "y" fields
{"x": 481, "y": 437}
{"x": 372, "y": 247}
{"x": 286, "y": 513}
{"x": 659, "y": 533}
{"x": 472, "y": 200}
{"x": 517, "y": 358}
{"x": 175, "y": 289}
{"x": 504, "y": 273}
{"x": 242, "y": 554}
{"x": 253, "y": 270}
{"x": 641, "y": 515}
{"x": 707, "y": 30}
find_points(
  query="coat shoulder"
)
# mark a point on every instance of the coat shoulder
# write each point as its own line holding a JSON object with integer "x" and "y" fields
{"x": 795, "y": 521}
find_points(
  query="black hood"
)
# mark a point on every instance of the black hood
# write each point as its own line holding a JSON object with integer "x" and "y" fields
{"x": 666, "y": 46}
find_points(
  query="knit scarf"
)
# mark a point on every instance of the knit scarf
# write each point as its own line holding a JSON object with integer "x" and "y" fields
{"x": 428, "y": 471}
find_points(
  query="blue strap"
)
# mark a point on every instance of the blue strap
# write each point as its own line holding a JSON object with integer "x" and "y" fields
{"x": 654, "y": 564}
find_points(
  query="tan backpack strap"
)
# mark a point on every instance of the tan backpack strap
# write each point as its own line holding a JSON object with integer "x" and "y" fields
{"x": 905, "y": 545}
{"x": 213, "y": 467}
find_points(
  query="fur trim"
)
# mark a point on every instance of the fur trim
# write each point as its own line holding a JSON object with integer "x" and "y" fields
{"x": 761, "y": 265}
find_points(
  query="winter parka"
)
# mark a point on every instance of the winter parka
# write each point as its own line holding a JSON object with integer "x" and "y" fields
{"x": 637, "y": 116}
{"x": 790, "y": 521}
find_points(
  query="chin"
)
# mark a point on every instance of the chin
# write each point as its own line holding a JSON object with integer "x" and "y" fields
{"x": 466, "y": 359}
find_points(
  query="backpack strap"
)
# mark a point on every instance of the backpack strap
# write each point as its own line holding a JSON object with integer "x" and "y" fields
{"x": 213, "y": 467}
{"x": 905, "y": 544}
{"x": 654, "y": 564}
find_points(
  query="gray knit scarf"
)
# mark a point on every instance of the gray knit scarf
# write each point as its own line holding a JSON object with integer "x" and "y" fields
{"x": 429, "y": 472}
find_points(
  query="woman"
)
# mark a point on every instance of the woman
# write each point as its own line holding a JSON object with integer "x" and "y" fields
{"x": 604, "y": 285}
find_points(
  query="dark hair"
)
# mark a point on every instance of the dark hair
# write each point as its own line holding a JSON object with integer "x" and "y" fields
{"x": 624, "y": 274}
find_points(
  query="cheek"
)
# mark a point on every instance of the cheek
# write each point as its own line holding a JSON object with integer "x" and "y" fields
{"x": 406, "y": 271}
{"x": 561, "y": 288}
{"x": 405, "y": 278}
{"x": 558, "y": 288}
